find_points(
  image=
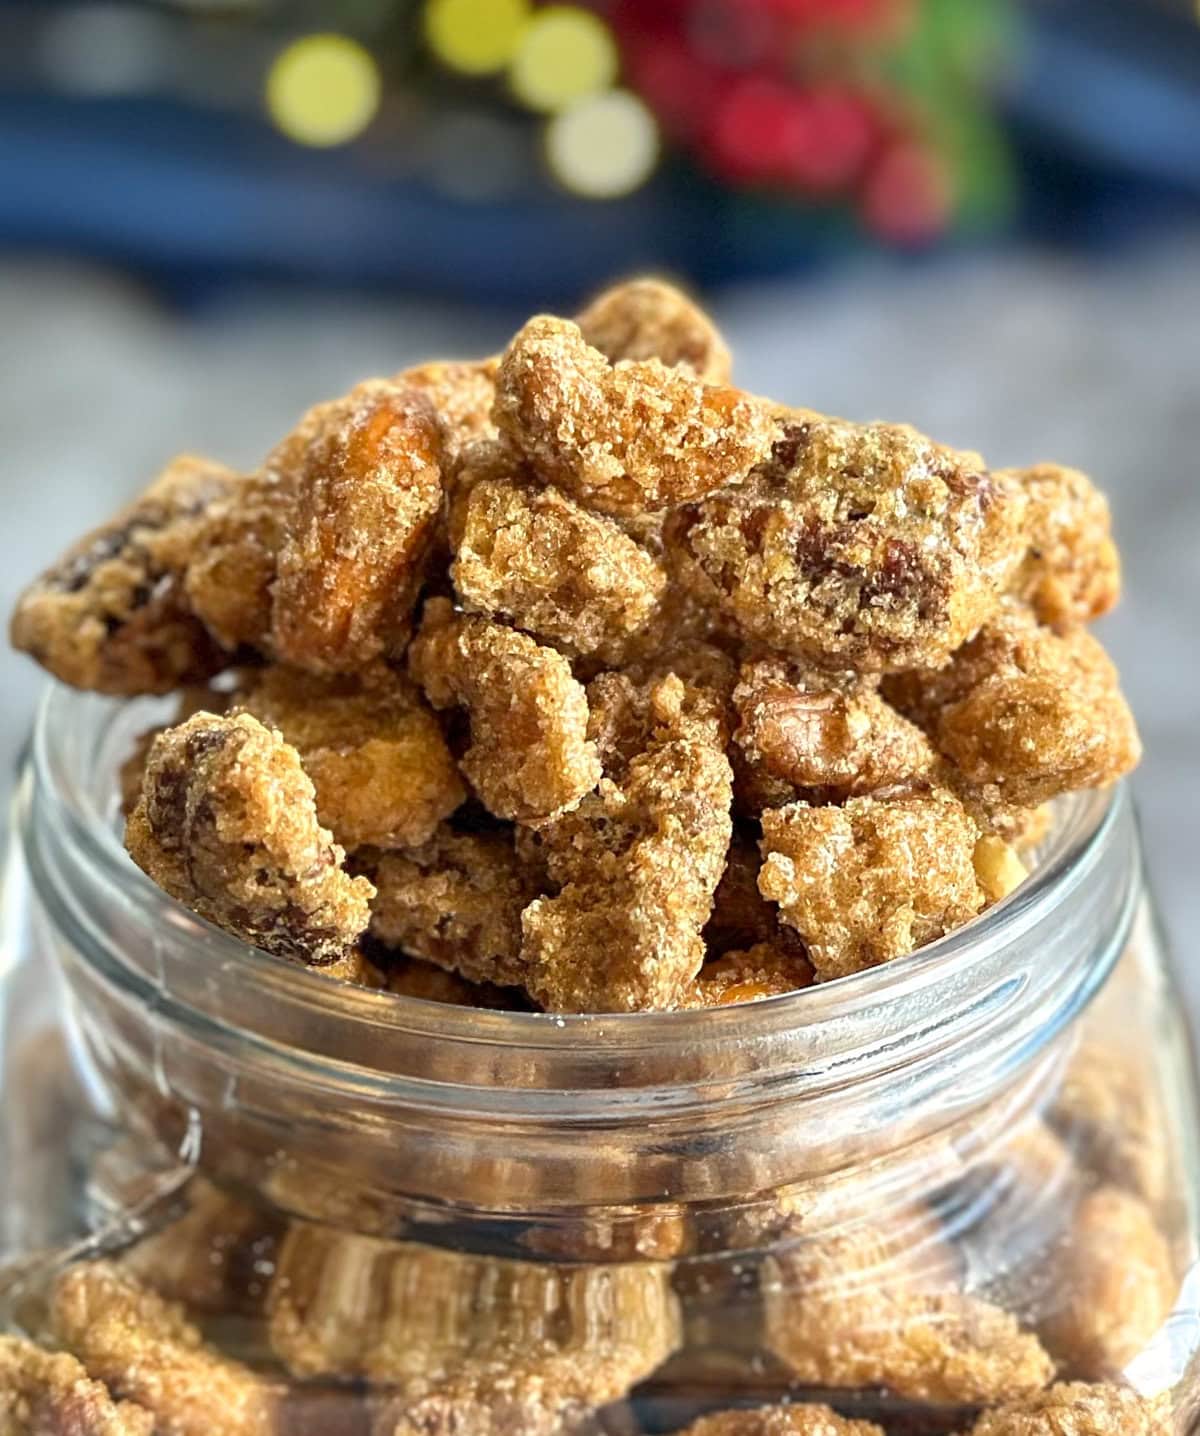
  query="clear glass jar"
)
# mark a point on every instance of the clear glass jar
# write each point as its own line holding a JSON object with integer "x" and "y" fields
{"x": 926, "y": 1190}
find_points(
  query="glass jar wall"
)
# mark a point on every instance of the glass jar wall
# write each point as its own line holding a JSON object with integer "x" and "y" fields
{"x": 956, "y": 1193}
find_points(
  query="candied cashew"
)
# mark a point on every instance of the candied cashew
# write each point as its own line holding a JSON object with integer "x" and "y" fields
{"x": 638, "y": 863}
{"x": 854, "y": 546}
{"x": 44, "y": 1393}
{"x": 456, "y": 901}
{"x": 1071, "y": 571}
{"x": 1077, "y": 1410}
{"x": 649, "y": 319}
{"x": 782, "y": 1421}
{"x": 362, "y": 518}
{"x": 145, "y": 1349}
{"x": 872, "y": 880}
{"x": 533, "y": 556}
{"x": 376, "y": 755}
{"x": 530, "y": 758}
{"x": 462, "y": 393}
{"x": 227, "y": 825}
{"x": 622, "y": 438}
{"x": 1025, "y": 713}
{"x": 111, "y": 615}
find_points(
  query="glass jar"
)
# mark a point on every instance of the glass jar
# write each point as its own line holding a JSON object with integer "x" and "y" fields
{"x": 912, "y": 1195}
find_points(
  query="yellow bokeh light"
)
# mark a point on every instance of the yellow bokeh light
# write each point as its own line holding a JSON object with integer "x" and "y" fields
{"x": 323, "y": 90}
{"x": 565, "y": 54}
{"x": 603, "y": 147}
{"x": 477, "y": 37}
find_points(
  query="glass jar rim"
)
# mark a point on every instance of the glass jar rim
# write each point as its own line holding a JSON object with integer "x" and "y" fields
{"x": 976, "y": 988}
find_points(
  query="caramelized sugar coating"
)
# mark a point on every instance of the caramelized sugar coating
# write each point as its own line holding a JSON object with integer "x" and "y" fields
{"x": 872, "y": 880}
{"x": 760, "y": 971}
{"x": 361, "y": 523}
{"x": 1077, "y": 1410}
{"x": 47, "y": 1394}
{"x": 530, "y": 758}
{"x": 824, "y": 736}
{"x": 622, "y": 438}
{"x": 1025, "y": 712}
{"x": 462, "y": 393}
{"x": 111, "y": 615}
{"x": 456, "y": 902}
{"x": 376, "y": 755}
{"x": 1115, "y": 1288}
{"x": 782, "y": 1421}
{"x": 533, "y": 557}
{"x": 1071, "y": 572}
{"x": 228, "y": 825}
{"x": 649, "y": 319}
{"x": 145, "y": 1349}
{"x": 637, "y": 864}
{"x": 854, "y": 546}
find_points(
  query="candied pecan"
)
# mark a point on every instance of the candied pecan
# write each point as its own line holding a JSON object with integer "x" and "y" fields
{"x": 111, "y": 614}
{"x": 854, "y": 546}
{"x": 648, "y": 319}
{"x": 782, "y": 1421}
{"x": 764, "y": 970}
{"x": 1077, "y": 1410}
{"x": 145, "y": 1349}
{"x": 1114, "y": 1286}
{"x": 638, "y": 862}
{"x": 228, "y": 825}
{"x": 456, "y": 902}
{"x": 362, "y": 518}
{"x": 1071, "y": 571}
{"x": 1025, "y": 713}
{"x": 48, "y": 1394}
{"x": 376, "y": 755}
{"x": 627, "y": 437}
{"x": 462, "y": 393}
{"x": 873, "y": 880}
{"x": 533, "y": 556}
{"x": 530, "y": 757}
{"x": 824, "y": 736}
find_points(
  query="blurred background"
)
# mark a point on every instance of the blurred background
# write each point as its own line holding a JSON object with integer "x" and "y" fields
{"x": 980, "y": 216}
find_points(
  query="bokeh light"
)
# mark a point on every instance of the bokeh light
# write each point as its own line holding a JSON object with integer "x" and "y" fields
{"x": 603, "y": 147}
{"x": 323, "y": 90}
{"x": 565, "y": 55}
{"x": 476, "y": 37}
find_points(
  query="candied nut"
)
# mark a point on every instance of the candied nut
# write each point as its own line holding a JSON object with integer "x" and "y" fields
{"x": 1025, "y": 712}
{"x": 462, "y": 393}
{"x": 133, "y": 769}
{"x": 456, "y": 902}
{"x": 998, "y": 869}
{"x": 1115, "y": 1286}
{"x": 422, "y": 1318}
{"x": 533, "y": 556}
{"x": 854, "y": 546}
{"x": 145, "y": 1349}
{"x": 648, "y": 319}
{"x": 376, "y": 755}
{"x": 824, "y": 736}
{"x": 1071, "y": 571}
{"x": 761, "y": 971}
{"x": 228, "y": 825}
{"x": 232, "y": 567}
{"x": 529, "y": 758}
{"x": 1077, "y": 1410}
{"x": 873, "y": 880}
{"x": 362, "y": 518}
{"x": 638, "y": 863}
{"x": 627, "y": 437}
{"x": 782, "y": 1421}
{"x": 111, "y": 615}
{"x": 48, "y": 1394}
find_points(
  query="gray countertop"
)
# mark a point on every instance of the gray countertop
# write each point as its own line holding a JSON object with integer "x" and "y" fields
{"x": 1023, "y": 355}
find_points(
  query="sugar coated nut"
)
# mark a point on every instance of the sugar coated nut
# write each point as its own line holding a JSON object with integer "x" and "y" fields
{"x": 228, "y": 825}
{"x": 782, "y": 1421}
{"x": 649, "y": 319}
{"x": 45, "y": 1393}
{"x": 1078, "y": 1410}
{"x": 112, "y": 615}
{"x": 462, "y": 394}
{"x": 622, "y": 438}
